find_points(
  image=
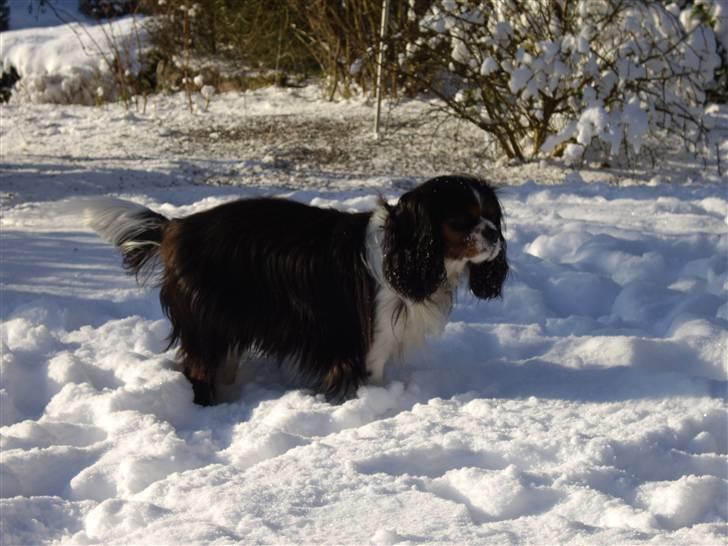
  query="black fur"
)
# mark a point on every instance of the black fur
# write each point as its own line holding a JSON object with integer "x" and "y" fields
{"x": 139, "y": 247}
{"x": 486, "y": 279}
{"x": 278, "y": 276}
{"x": 414, "y": 263}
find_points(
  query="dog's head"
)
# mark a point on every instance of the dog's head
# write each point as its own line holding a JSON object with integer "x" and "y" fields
{"x": 443, "y": 226}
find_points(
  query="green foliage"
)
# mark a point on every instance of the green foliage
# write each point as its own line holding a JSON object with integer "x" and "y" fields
{"x": 255, "y": 34}
{"x": 107, "y": 9}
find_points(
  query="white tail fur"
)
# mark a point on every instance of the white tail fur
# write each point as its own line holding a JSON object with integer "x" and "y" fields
{"x": 134, "y": 228}
{"x": 116, "y": 221}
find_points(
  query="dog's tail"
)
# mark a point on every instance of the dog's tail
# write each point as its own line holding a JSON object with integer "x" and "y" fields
{"x": 135, "y": 229}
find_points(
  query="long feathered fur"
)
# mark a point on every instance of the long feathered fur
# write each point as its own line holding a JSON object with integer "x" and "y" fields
{"x": 282, "y": 278}
{"x": 135, "y": 229}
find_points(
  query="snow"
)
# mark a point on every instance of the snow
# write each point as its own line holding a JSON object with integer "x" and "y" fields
{"x": 67, "y": 63}
{"x": 519, "y": 78}
{"x": 572, "y": 152}
{"x": 585, "y": 406}
{"x": 489, "y": 65}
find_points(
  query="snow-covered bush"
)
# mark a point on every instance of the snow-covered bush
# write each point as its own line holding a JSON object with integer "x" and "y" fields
{"x": 715, "y": 15}
{"x": 76, "y": 85}
{"x": 545, "y": 78}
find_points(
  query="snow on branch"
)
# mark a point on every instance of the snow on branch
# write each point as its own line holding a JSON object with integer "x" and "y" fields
{"x": 543, "y": 76}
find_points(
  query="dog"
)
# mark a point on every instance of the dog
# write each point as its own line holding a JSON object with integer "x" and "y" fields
{"x": 334, "y": 294}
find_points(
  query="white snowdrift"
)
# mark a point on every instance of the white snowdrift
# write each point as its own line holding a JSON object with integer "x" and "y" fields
{"x": 70, "y": 64}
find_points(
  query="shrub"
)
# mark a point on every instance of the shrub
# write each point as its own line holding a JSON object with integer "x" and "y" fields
{"x": 544, "y": 78}
{"x": 230, "y": 36}
{"x": 343, "y": 37}
{"x": 107, "y": 9}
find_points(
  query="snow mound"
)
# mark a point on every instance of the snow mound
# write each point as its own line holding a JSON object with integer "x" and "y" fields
{"x": 71, "y": 64}
{"x": 585, "y": 406}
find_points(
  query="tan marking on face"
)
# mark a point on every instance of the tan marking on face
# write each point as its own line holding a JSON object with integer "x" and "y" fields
{"x": 459, "y": 244}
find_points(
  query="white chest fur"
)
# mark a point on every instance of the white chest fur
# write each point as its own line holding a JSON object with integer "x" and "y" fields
{"x": 399, "y": 324}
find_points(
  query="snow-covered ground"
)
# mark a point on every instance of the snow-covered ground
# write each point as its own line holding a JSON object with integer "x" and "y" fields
{"x": 586, "y": 406}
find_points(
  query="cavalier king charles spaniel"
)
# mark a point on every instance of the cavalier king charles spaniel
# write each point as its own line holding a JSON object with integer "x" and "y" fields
{"x": 334, "y": 294}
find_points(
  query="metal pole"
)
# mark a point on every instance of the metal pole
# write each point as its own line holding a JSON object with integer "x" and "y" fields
{"x": 380, "y": 63}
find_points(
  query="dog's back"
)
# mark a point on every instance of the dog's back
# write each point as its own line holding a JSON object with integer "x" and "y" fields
{"x": 270, "y": 275}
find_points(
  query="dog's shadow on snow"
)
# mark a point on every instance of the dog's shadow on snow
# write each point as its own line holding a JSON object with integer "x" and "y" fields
{"x": 261, "y": 380}
{"x": 71, "y": 278}
{"x": 504, "y": 379}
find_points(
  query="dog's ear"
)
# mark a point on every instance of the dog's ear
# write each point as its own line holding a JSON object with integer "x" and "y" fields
{"x": 487, "y": 278}
{"x": 413, "y": 257}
